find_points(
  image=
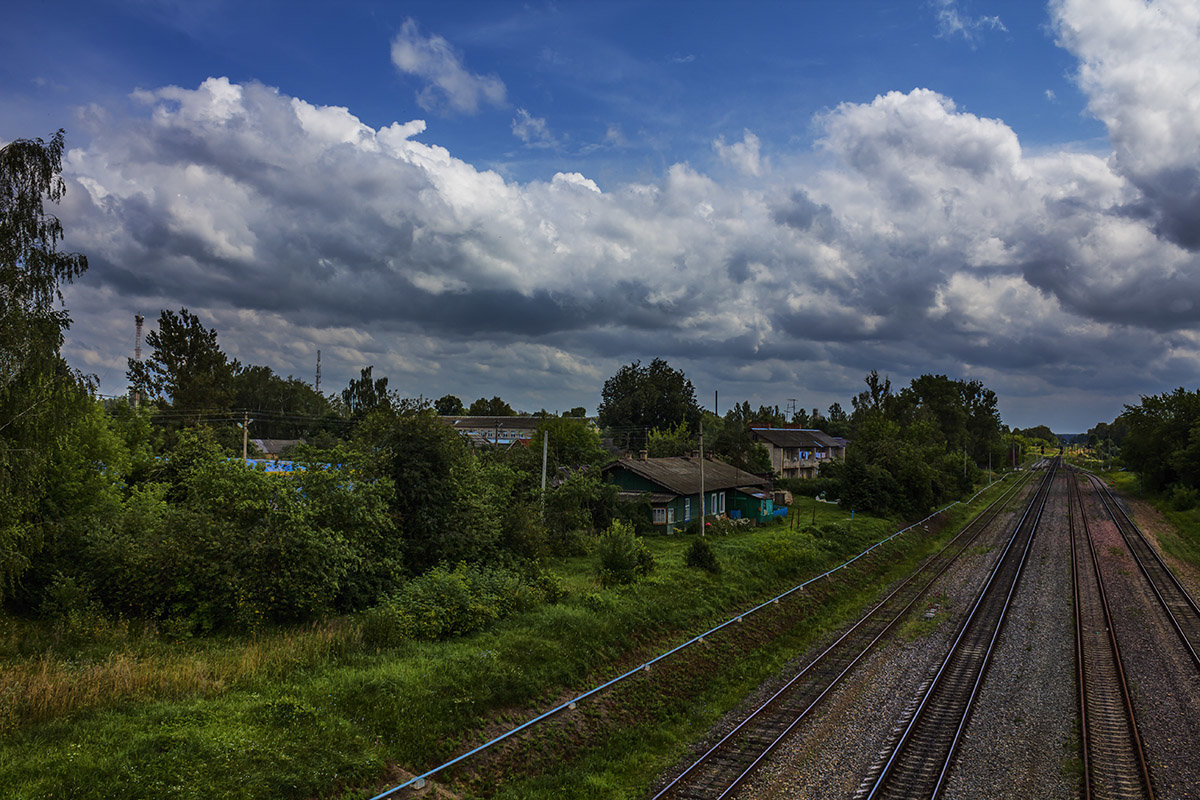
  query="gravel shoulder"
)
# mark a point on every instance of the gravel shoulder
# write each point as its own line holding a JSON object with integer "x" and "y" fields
{"x": 839, "y": 743}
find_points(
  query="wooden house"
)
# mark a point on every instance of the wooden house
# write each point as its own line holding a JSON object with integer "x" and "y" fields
{"x": 672, "y": 485}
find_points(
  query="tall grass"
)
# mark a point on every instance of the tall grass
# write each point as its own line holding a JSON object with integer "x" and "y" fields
{"x": 49, "y": 686}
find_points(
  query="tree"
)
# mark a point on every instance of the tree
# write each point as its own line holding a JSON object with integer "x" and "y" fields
{"x": 640, "y": 398}
{"x": 449, "y": 406}
{"x": 671, "y": 442}
{"x": 282, "y": 409}
{"x": 39, "y": 395}
{"x": 876, "y": 396}
{"x": 32, "y": 268}
{"x": 837, "y": 422}
{"x": 730, "y": 440}
{"x": 365, "y": 394}
{"x": 491, "y": 408}
{"x": 187, "y": 368}
{"x": 1163, "y": 440}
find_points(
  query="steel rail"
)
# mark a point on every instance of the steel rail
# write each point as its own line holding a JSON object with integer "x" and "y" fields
{"x": 1180, "y": 607}
{"x": 947, "y": 701}
{"x": 937, "y": 563}
{"x": 1103, "y": 687}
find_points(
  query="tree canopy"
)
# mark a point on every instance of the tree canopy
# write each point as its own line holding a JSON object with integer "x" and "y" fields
{"x": 41, "y": 399}
{"x": 640, "y": 398}
{"x": 187, "y": 369}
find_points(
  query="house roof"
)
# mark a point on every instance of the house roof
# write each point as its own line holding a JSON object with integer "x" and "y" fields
{"x": 681, "y": 475}
{"x": 275, "y": 446}
{"x": 796, "y": 437}
{"x": 464, "y": 422}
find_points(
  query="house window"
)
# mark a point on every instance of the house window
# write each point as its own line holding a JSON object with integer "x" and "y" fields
{"x": 722, "y": 509}
{"x": 687, "y": 509}
{"x": 660, "y": 516}
{"x": 671, "y": 515}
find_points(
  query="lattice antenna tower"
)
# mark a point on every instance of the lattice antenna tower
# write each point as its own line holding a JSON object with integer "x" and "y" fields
{"x": 317, "y": 385}
{"x": 791, "y": 408}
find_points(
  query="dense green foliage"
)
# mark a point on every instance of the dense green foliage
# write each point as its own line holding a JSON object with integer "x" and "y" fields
{"x": 621, "y": 556}
{"x": 1162, "y": 443}
{"x": 187, "y": 370}
{"x": 640, "y": 398}
{"x": 918, "y": 448}
{"x": 41, "y": 399}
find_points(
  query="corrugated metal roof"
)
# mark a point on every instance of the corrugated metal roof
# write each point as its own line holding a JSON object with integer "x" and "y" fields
{"x": 682, "y": 474}
{"x": 796, "y": 437}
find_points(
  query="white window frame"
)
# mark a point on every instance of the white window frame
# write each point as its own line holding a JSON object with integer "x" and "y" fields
{"x": 660, "y": 516}
{"x": 670, "y": 515}
{"x": 687, "y": 509}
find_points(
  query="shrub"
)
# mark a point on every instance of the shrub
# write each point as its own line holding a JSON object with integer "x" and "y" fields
{"x": 623, "y": 557}
{"x": 1184, "y": 498}
{"x": 700, "y": 555}
{"x": 450, "y": 602}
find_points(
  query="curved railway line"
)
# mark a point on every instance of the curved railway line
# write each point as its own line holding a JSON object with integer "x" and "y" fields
{"x": 1114, "y": 760}
{"x": 726, "y": 765}
{"x": 924, "y": 750}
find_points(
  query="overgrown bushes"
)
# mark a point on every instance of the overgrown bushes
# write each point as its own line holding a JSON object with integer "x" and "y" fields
{"x": 450, "y": 602}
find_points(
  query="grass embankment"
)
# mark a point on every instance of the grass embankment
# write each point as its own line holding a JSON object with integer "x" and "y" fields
{"x": 312, "y": 712}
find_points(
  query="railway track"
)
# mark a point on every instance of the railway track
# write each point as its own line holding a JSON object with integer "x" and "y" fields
{"x": 1114, "y": 759}
{"x": 924, "y": 749}
{"x": 1181, "y": 608}
{"x": 725, "y": 766}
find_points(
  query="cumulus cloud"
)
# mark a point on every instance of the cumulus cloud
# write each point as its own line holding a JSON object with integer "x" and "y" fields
{"x": 744, "y": 156}
{"x": 449, "y": 84}
{"x": 929, "y": 240}
{"x": 1139, "y": 68}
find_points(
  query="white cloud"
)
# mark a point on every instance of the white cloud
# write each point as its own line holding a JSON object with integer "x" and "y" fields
{"x": 929, "y": 240}
{"x": 745, "y": 156}
{"x": 532, "y": 130}
{"x": 449, "y": 83}
{"x": 952, "y": 22}
{"x": 1139, "y": 68}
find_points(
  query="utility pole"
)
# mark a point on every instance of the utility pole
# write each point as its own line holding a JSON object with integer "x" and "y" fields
{"x": 701, "y": 477}
{"x": 545, "y": 450}
{"x": 317, "y": 385}
{"x": 245, "y": 426}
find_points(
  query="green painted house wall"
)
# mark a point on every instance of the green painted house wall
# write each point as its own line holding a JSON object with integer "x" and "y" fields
{"x": 680, "y": 510}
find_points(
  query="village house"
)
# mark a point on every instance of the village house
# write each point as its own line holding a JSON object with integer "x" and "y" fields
{"x": 672, "y": 485}
{"x": 798, "y": 452}
{"x": 494, "y": 431}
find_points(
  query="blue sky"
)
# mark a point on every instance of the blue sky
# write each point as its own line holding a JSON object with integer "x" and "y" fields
{"x": 515, "y": 199}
